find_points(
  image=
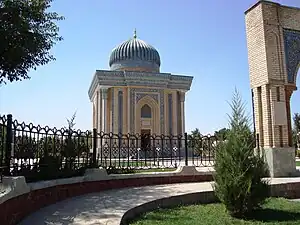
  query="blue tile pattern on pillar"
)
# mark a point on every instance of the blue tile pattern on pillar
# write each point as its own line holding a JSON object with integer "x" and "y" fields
{"x": 292, "y": 53}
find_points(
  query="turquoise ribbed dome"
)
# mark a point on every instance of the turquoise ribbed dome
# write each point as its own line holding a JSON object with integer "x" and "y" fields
{"x": 134, "y": 53}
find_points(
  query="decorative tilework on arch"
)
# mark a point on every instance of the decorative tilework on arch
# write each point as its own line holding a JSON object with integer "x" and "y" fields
{"x": 136, "y": 94}
{"x": 139, "y": 96}
{"x": 292, "y": 53}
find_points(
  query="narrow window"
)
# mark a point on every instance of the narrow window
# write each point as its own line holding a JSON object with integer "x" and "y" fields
{"x": 146, "y": 111}
{"x": 278, "y": 93}
{"x": 280, "y": 136}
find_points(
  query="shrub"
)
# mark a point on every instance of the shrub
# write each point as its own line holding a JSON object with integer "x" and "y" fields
{"x": 115, "y": 170}
{"x": 238, "y": 170}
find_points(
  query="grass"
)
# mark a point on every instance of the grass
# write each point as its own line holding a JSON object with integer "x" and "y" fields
{"x": 155, "y": 170}
{"x": 275, "y": 211}
{"x": 127, "y": 163}
{"x": 140, "y": 166}
{"x": 297, "y": 163}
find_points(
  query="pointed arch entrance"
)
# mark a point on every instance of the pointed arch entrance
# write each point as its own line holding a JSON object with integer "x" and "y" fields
{"x": 273, "y": 41}
{"x": 147, "y": 115}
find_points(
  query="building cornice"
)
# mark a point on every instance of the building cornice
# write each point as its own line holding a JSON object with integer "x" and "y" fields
{"x": 139, "y": 79}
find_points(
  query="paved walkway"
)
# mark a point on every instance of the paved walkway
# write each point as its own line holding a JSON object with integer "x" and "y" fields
{"x": 107, "y": 207}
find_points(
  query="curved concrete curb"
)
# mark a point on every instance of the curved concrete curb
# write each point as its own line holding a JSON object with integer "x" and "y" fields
{"x": 280, "y": 187}
{"x": 36, "y": 195}
{"x": 204, "y": 197}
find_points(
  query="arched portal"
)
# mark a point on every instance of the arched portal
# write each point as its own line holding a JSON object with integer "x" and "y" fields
{"x": 273, "y": 41}
{"x": 147, "y": 116}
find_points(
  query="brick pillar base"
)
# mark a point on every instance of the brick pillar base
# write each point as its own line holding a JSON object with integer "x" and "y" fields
{"x": 281, "y": 161}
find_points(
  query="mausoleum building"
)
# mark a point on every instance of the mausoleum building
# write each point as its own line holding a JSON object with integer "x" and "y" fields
{"x": 134, "y": 96}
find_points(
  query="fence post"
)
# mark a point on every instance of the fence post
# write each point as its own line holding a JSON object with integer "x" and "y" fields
{"x": 95, "y": 148}
{"x": 186, "y": 148}
{"x": 8, "y": 145}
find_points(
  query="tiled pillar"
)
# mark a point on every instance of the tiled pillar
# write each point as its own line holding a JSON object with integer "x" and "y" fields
{"x": 99, "y": 119}
{"x": 288, "y": 94}
{"x": 128, "y": 111}
{"x": 257, "y": 104}
{"x": 125, "y": 110}
{"x": 175, "y": 116}
{"x": 182, "y": 100}
{"x": 99, "y": 115}
{"x": 104, "y": 111}
{"x": 266, "y": 116}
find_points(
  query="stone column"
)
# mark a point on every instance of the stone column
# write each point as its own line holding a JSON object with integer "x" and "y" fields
{"x": 257, "y": 111}
{"x": 104, "y": 111}
{"x": 279, "y": 156}
{"x": 182, "y": 100}
{"x": 99, "y": 120}
{"x": 175, "y": 116}
{"x": 128, "y": 108}
{"x": 266, "y": 116}
{"x": 97, "y": 112}
{"x": 288, "y": 94}
{"x": 125, "y": 110}
{"x": 182, "y": 113}
{"x": 99, "y": 100}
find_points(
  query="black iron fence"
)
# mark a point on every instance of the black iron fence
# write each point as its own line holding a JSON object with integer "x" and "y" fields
{"x": 41, "y": 153}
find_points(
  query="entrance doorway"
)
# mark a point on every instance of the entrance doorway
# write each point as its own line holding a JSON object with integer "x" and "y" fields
{"x": 145, "y": 139}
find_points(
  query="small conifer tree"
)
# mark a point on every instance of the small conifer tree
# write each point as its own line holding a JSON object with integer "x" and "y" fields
{"x": 238, "y": 170}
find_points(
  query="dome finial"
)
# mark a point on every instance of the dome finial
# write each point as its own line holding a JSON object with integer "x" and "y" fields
{"x": 134, "y": 33}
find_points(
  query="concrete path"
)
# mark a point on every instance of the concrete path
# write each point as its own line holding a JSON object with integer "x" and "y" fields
{"x": 108, "y": 207}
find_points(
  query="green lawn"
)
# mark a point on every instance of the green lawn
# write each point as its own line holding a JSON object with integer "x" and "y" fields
{"x": 297, "y": 163}
{"x": 155, "y": 170}
{"x": 128, "y": 163}
{"x": 275, "y": 211}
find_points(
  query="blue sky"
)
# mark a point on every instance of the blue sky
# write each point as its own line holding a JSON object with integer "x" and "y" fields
{"x": 204, "y": 39}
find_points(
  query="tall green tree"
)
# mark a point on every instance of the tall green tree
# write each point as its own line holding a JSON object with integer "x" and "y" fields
{"x": 238, "y": 171}
{"x": 75, "y": 144}
{"x": 28, "y": 31}
{"x": 296, "y": 129}
{"x": 221, "y": 134}
{"x": 195, "y": 133}
{"x": 194, "y": 139}
{"x": 296, "y": 120}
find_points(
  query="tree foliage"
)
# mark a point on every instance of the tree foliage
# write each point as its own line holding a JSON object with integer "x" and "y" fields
{"x": 296, "y": 129}
{"x": 296, "y": 120}
{"x": 222, "y": 134}
{"x": 194, "y": 139}
{"x": 27, "y": 33}
{"x": 63, "y": 154}
{"x": 239, "y": 172}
